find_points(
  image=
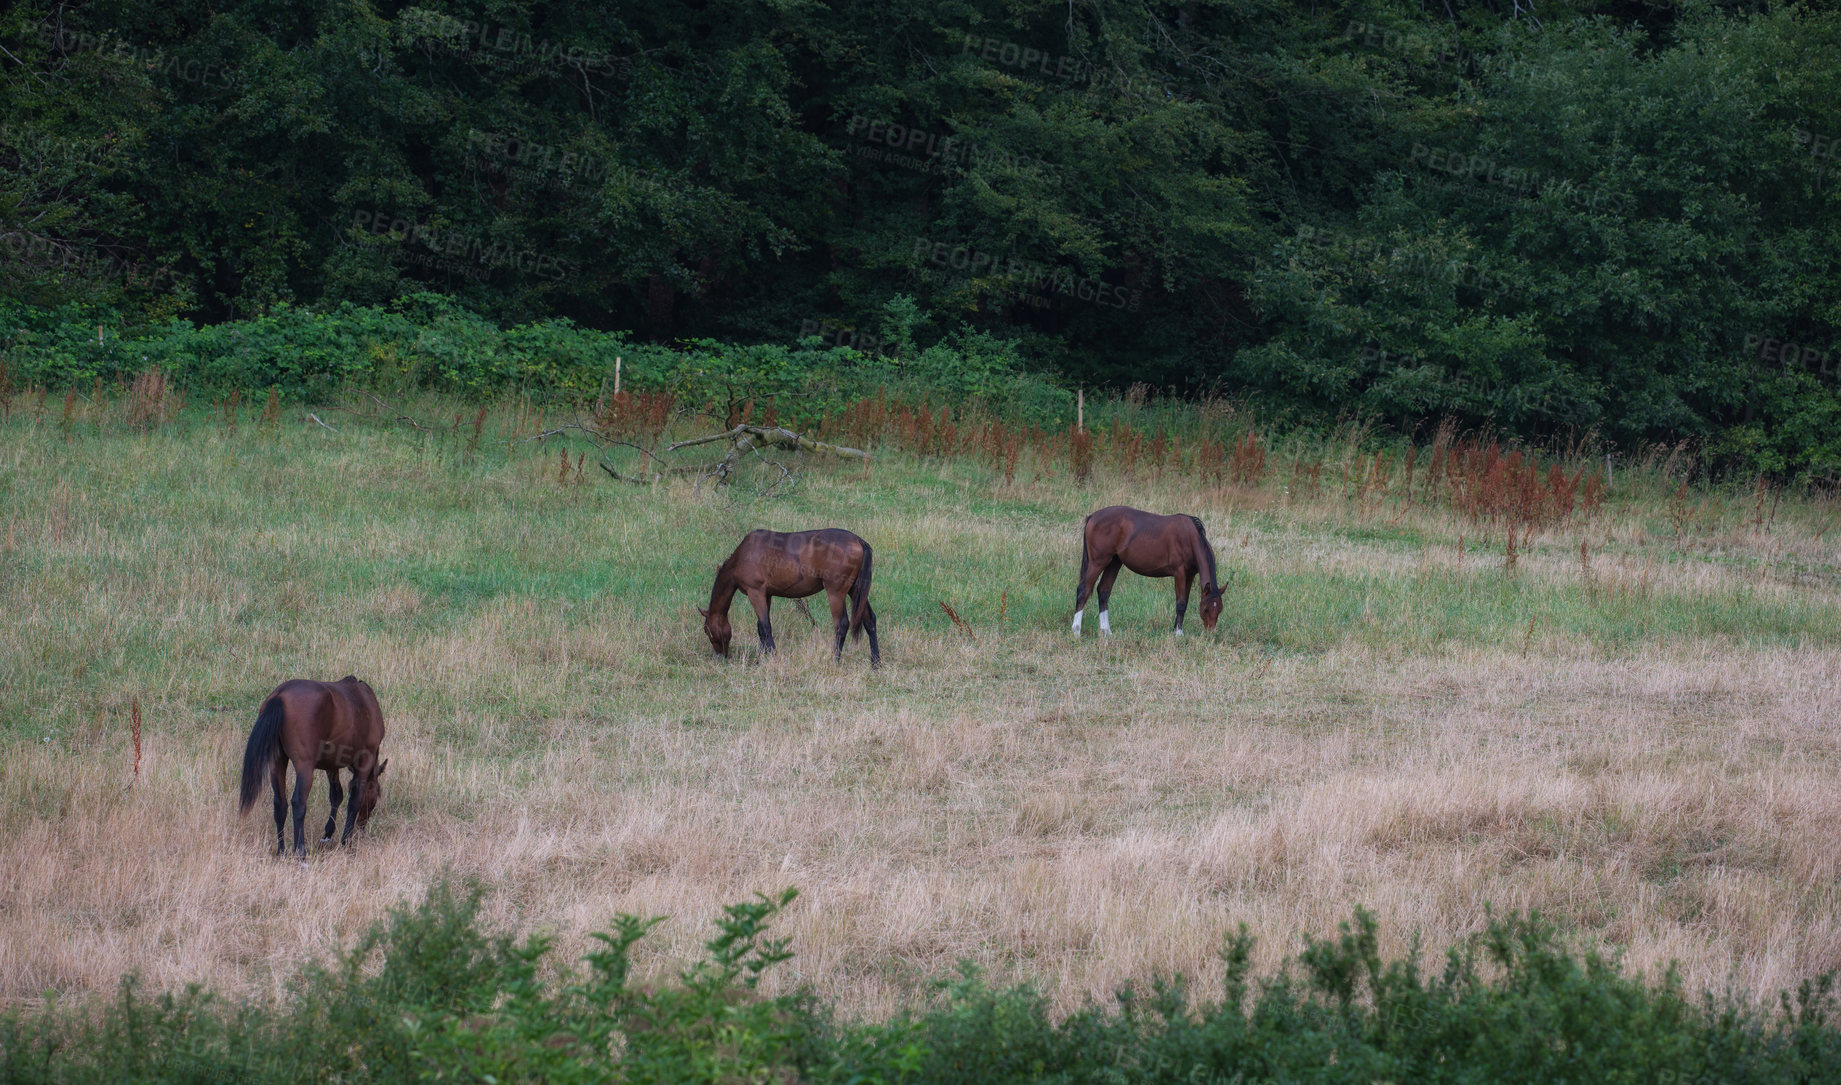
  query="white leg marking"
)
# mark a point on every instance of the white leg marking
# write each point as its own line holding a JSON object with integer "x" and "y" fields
{"x": 1179, "y": 630}
{"x": 1105, "y": 626}
{"x": 1077, "y": 615}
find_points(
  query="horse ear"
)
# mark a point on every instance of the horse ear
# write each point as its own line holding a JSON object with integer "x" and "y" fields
{"x": 381, "y": 766}
{"x": 703, "y": 612}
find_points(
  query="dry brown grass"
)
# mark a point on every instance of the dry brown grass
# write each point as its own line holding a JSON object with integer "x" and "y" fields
{"x": 1677, "y": 805}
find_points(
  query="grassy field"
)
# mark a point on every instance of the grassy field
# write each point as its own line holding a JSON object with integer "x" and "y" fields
{"x": 1640, "y": 741}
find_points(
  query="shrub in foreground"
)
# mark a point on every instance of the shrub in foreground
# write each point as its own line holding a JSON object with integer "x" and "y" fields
{"x": 429, "y": 996}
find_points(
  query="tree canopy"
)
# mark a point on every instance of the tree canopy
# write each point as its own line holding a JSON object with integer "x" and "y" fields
{"x": 1605, "y": 215}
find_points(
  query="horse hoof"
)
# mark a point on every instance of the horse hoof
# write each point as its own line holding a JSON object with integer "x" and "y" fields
{"x": 325, "y": 839}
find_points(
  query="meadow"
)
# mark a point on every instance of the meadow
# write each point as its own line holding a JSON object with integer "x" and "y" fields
{"x": 1625, "y": 720}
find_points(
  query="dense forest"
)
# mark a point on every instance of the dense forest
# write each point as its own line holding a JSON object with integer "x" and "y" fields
{"x": 1552, "y": 218}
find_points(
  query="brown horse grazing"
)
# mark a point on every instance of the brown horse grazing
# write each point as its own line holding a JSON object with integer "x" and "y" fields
{"x": 793, "y": 565}
{"x": 1149, "y": 545}
{"x": 316, "y": 725}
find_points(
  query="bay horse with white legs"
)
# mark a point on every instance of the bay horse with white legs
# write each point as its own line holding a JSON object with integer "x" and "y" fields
{"x": 793, "y": 565}
{"x": 1149, "y": 545}
{"x": 316, "y": 726}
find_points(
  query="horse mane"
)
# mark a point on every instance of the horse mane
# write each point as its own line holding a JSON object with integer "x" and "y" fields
{"x": 725, "y": 578}
{"x": 1206, "y": 549}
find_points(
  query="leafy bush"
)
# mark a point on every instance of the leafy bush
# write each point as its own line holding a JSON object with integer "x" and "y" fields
{"x": 428, "y": 342}
{"x": 430, "y": 996}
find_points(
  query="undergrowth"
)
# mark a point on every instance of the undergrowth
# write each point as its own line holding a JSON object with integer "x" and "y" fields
{"x": 431, "y": 996}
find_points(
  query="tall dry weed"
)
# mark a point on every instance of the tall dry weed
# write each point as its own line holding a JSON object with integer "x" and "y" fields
{"x": 150, "y": 399}
{"x": 1246, "y": 463}
{"x": 134, "y": 727}
{"x": 958, "y": 621}
{"x": 1080, "y": 454}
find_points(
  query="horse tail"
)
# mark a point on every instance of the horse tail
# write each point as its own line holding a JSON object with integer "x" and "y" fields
{"x": 1086, "y": 562}
{"x": 1207, "y": 550}
{"x": 859, "y": 593}
{"x": 264, "y": 747}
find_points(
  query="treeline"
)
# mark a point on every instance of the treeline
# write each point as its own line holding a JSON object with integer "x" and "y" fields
{"x": 1606, "y": 216}
{"x": 433, "y": 997}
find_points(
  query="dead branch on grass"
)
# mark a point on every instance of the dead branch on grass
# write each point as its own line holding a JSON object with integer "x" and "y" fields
{"x": 743, "y": 440}
{"x": 396, "y": 415}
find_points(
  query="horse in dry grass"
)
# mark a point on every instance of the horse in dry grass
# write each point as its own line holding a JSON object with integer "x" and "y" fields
{"x": 316, "y": 726}
{"x": 1149, "y": 545}
{"x": 793, "y": 565}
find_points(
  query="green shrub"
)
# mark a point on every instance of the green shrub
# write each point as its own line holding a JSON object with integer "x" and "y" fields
{"x": 429, "y": 996}
{"x": 429, "y": 342}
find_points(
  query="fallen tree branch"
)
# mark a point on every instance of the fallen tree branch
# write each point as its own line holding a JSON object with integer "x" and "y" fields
{"x": 776, "y": 436}
{"x": 681, "y": 469}
{"x": 584, "y": 431}
{"x": 627, "y": 478}
{"x": 398, "y": 415}
{"x": 742, "y": 439}
{"x": 787, "y": 479}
